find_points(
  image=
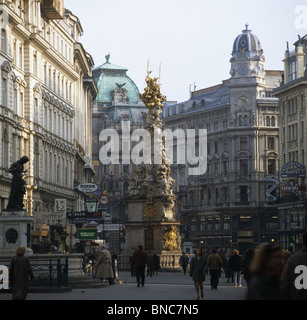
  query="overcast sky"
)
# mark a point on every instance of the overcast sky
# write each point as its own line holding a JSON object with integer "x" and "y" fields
{"x": 191, "y": 39}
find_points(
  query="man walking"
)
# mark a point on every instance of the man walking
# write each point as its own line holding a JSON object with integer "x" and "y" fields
{"x": 140, "y": 260}
{"x": 294, "y": 276}
{"x": 184, "y": 261}
{"x": 236, "y": 266}
{"x": 215, "y": 263}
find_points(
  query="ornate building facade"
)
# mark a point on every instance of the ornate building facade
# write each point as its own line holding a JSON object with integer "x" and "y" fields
{"x": 229, "y": 206}
{"x": 292, "y": 95}
{"x": 46, "y": 108}
{"x": 118, "y": 100}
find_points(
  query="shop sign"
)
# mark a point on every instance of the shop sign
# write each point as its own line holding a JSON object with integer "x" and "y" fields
{"x": 87, "y": 187}
{"x": 76, "y": 216}
{"x": 87, "y": 234}
{"x": 293, "y": 169}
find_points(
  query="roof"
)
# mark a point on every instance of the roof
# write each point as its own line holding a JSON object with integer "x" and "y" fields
{"x": 109, "y": 77}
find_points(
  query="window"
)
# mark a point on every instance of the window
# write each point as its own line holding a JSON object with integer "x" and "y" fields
{"x": 20, "y": 57}
{"x": 35, "y": 64}
{"x": 4, "y": 92}
{"x": 216, "y": 147}
{"x": 243, "y": 143}
{"x": 21, "y": 105}
{"x": 243, "y": 167}
{"x": 243, "y": 194}
{"x": 271, "y": 166}
{"x": 271, "y": 143}
{"x": 3, "y": 40}
{"x": 268, "y": 121}
{"x": 273, "y": 122}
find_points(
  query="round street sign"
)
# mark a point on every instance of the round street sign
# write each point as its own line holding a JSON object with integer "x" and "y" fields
{"x": 104, "y": 200}
{"x": 87, "y": 187}
{"x": 71, "y": 229}
{"x": 70, "y": 241}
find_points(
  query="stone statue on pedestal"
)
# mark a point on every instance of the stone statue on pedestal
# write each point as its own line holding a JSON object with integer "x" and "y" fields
{"x": 18, "y": 187}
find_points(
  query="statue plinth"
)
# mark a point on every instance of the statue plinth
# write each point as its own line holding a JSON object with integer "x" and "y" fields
{"x": 15, "y": 228}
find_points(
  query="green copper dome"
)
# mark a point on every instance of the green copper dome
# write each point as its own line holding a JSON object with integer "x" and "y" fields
{"x": 110, "y": 77}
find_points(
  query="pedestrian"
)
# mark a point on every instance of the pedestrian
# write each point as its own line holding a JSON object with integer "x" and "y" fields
{"x": 156, "y": 264}
{"x": 246, "y": 261}
{"x": 226, "y": 267}
{"x": 264, "y": 283}
{"x": 104, "y": 269}
{"x": 140, "y": 260}
{"x": 131, "y": 267}
{"x": 236, "y": 265}
{"x": 19, "y": 273}
{"x": 215, "y": 263}
{"x": 184, "y": 261}
{"x": 114, "y": 258}
{"x": 294, "y": 277}
{"x": 198, "y": 271}
{"x": 149, "y": 270}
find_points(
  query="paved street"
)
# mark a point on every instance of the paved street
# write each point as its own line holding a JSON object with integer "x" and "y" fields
{"x": 165, "y": 286}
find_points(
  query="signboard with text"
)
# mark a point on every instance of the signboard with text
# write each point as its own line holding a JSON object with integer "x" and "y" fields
{"x": 87, "y": 234}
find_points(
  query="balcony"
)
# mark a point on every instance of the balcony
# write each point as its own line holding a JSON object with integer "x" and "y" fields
{"x": 53, "y": 9}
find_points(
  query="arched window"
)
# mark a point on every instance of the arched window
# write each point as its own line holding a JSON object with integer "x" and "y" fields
{"x": 273, "y": 122}
{"x": 268, "y": 121}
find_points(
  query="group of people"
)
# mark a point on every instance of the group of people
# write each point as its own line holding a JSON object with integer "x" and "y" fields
{"x": 270, "y": 273}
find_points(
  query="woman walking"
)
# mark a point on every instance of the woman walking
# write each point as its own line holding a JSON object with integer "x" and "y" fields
{"x": 197, "y": 271}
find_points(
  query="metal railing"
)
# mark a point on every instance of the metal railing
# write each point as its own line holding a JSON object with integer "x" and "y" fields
{"x": 47, "y": 273}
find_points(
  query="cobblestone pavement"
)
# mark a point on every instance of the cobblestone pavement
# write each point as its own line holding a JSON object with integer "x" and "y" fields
{"x": 165, "y": 286}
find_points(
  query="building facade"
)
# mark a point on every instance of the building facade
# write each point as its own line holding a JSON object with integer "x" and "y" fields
{"x": 229, "y": 206}
{"x": 118, "y": 101}
{"x": 46, "y": 110}
{"x": 292, "y": 95}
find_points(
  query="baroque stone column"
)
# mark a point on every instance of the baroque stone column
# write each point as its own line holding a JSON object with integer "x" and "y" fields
{"x": 151, "y": 204}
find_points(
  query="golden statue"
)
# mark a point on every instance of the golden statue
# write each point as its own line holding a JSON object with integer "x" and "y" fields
{"x": 170, "y": 237}
{"x": 152, "y": 96}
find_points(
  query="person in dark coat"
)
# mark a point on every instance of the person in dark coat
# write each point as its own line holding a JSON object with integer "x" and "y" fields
{"x": 226, "y": 267}
{"x": 198, "y": 271}
{"x": 293, "y": 286}
{"x": 184, "y": 261}
{"x": 19, "y": 273}
{"x": 236, "y": 265}
{"x": 156, "y": 264}
{"x": 264, "y": 282}
{"x": 140, "y": 260}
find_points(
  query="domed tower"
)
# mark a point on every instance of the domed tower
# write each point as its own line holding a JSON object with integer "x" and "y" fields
{"x": 247, "y": 56}
{"x": 114, "y": 85}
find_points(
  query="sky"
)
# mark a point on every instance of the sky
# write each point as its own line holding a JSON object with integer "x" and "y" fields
{"x": 187, "y": 42}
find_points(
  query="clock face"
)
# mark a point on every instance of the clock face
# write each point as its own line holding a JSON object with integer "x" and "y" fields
{"x": 243, "y": 69}
{"x": 243, "y": 43}
{"x": 91, "y": 206}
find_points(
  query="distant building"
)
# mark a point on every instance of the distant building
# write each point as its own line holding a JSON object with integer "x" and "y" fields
{"x": 229, "y": 207}
{"x": 292, "y": 95}
{"x": 45, "y": 110}
{"x": 117, "y": 101}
